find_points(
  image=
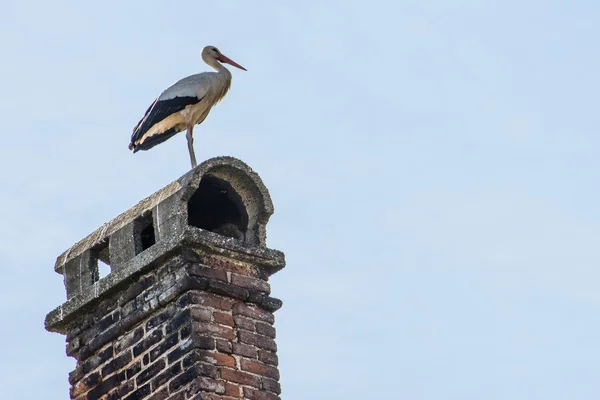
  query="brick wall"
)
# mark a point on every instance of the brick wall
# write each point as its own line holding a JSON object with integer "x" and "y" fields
{"x": 195, "y": 326}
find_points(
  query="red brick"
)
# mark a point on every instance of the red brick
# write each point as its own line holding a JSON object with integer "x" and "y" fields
{"x": 253, "y": 312}
{"x": 228, "y": 290}
{"x": 85, "y": 384}
{"x": 160, "y": 395}
{"x": 260, "y": 341}
{"x": 177, "y": 396}
{"x": 268, "y": 358}
{"x": 203, "y": 384}
{"x": 125, "y": 388}
{"x": 251, "y": 283}
{"x": 224, "y": 346}
{"x": 244, "y": 350}
{"x": 207, "y": 370}
{"x": 114, "y": 395}
{"x": 240, "y": 377}
{"x": 223, "y": 318}
{"x": 78, "y": 389}
{"x": 224, "y": 360}
{"x": 253, "y": 394}
{"x": 201, "y": 341}
{"x": 260, "y": 369}
{"x": 211, "y": 396}
{"x": 212, "y": 385}
{"x": 200, "y": 270}
{"x": 150, "y": 372}
{"x": 265, "y": 329}
{"x": 233, "y": 390}
{"x": 217, "y": 330}
{"x": 211, "y": 300}
{"x": 244, "y": 323}
{"x": 271, "y": 385}
{"x": 182, "y": 380}
{"x": 164, "y": 377}
{"x": 242, "y": 269}
{"x": 201, "y": 314}
{"x": 104, "y": 387}
{"x": 129, "y": 339}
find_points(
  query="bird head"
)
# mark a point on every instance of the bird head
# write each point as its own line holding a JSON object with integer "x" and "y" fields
{"x": 214, "y": 53}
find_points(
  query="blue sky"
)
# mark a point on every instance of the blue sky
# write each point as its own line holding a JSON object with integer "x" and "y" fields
{"x": 433, "y": 165}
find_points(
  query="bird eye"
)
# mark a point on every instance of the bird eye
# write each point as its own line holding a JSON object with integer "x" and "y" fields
{"x": 215, "y": 50}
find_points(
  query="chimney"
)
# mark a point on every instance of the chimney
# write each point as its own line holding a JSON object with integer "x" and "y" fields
{"x": 185, "y": 311}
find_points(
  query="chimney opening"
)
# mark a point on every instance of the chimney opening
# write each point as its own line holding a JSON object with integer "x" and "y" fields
{"x": 100, "y": 261}
{"x": 144, "y": 233}
{"x": 215, "y": 206}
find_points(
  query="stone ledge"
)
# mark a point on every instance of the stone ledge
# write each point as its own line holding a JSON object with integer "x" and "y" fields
{"x": 266, "y": 259}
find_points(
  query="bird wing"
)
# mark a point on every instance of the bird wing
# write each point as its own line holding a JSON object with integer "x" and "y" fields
{"x": 183, "y": 93}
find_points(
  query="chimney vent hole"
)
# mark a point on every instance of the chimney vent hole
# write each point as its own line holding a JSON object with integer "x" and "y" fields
{"x": 217, "y": 207}
{"x": 100, "y": 261}
{"x": 144, "y": 233}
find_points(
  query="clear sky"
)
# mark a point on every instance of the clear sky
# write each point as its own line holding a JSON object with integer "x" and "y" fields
{"x": 433, "y": 164}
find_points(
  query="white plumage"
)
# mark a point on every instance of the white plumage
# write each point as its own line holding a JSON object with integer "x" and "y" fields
{"x": 184, "y": 104}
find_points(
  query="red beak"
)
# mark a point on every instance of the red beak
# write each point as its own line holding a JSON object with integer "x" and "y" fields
{"x": 228, "y": 60}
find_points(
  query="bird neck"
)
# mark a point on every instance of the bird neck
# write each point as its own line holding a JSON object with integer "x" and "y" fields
{"x": 220, "y": 68}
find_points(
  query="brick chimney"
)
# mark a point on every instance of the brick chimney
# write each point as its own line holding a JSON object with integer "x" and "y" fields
{"x": 185, "y": 312}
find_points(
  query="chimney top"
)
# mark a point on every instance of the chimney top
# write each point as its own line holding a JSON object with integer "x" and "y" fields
{"x": 220, "y": 205}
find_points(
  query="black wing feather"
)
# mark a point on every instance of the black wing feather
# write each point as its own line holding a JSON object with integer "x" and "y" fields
{"x": 152, "y": 141}
{"x": 158, "y": 111}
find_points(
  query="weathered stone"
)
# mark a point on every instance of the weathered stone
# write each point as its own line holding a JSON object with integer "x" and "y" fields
{"x": 185, "y": 311}
{"x": 122, "y": 246}
{"x": 271, "y": 304}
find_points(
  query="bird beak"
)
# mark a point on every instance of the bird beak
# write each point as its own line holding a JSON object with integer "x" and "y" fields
{"x": 228, "y": 60}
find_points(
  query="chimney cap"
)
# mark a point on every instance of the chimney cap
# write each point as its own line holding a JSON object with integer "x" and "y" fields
{"x": 243, "y": 180}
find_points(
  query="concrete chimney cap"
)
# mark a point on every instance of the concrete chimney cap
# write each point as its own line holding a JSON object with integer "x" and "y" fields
{"x": 234, "y": 171}
{"x": 237, "y": 175}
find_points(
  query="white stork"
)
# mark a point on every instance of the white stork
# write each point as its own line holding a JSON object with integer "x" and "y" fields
{"x": 184, "y": 104}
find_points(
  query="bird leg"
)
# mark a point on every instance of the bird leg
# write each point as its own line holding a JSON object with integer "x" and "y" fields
{"x": 190, "y": 141}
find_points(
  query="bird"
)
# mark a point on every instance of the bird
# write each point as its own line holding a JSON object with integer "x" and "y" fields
{"x": 184, "y": 104}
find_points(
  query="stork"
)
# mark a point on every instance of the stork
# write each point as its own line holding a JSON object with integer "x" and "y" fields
{"x": 184, "y": 104}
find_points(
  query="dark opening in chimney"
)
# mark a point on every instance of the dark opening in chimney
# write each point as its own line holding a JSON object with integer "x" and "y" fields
{"x": 144, "y": 233}
{"x": 100, "y": 261}
{"x": 215, "y": 206}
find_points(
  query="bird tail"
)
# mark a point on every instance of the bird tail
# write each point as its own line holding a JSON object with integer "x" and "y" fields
{"x": 155, "y": 139}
